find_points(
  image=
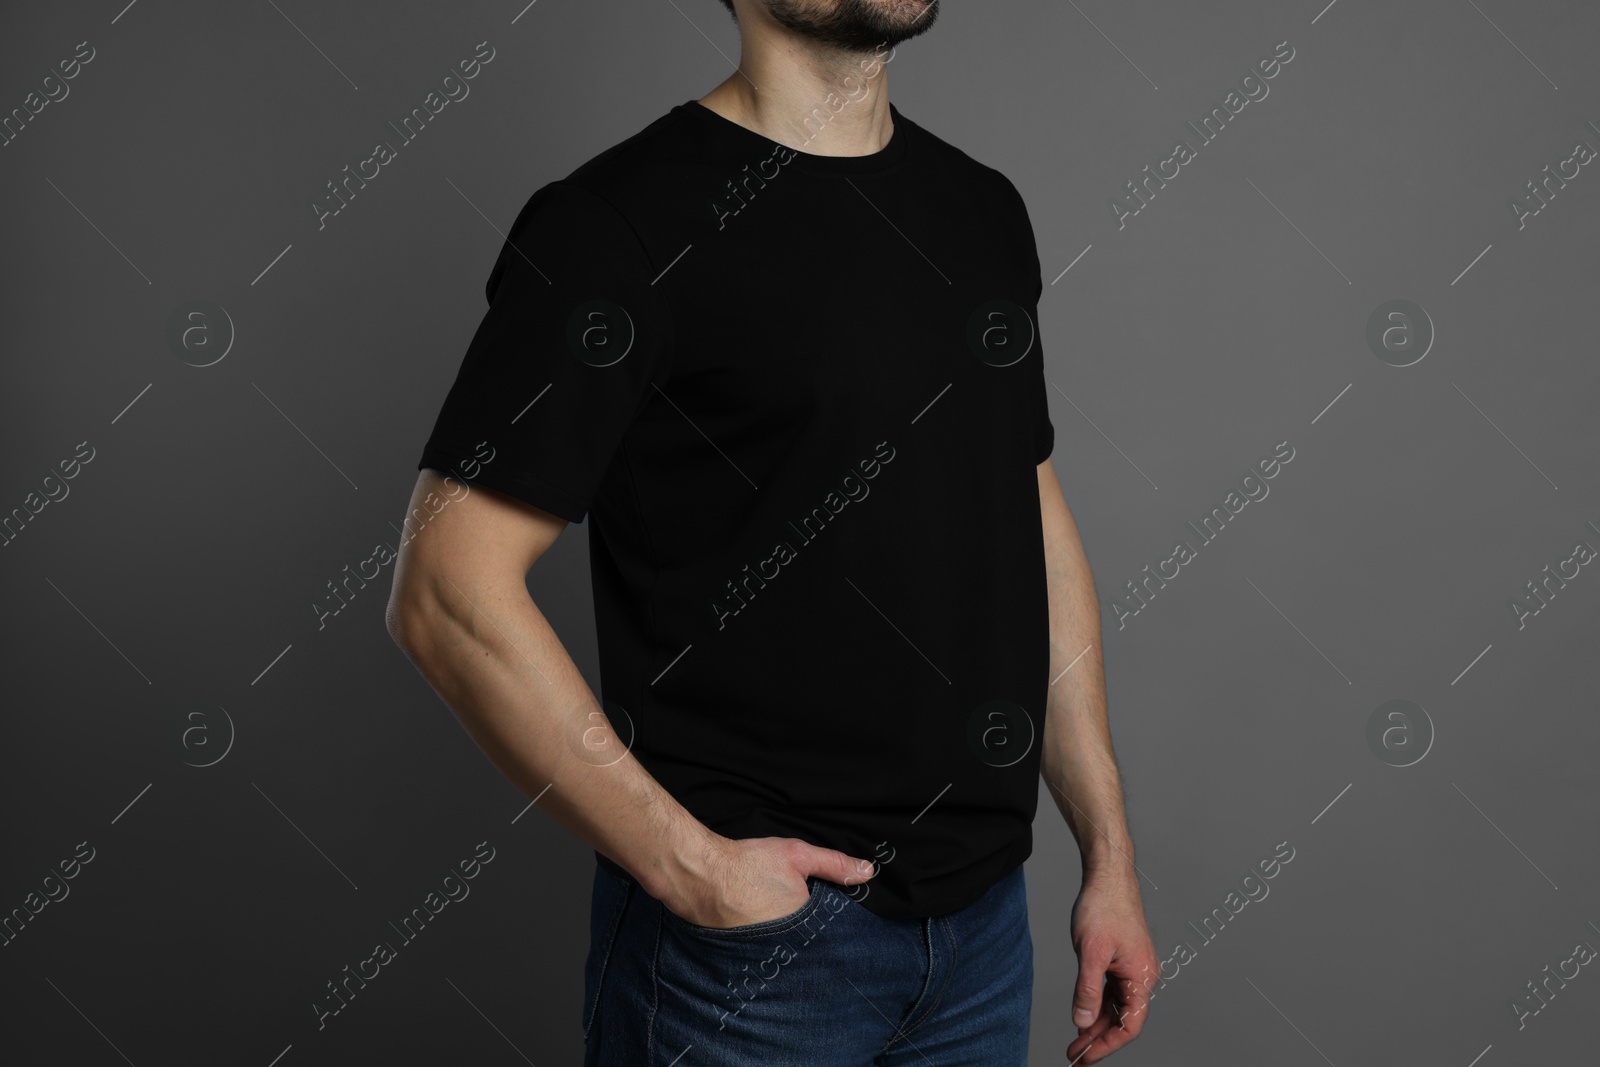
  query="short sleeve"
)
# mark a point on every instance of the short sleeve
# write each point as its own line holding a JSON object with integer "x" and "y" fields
{"x": 572, "y": 347}
{"x": 1044, "y": 433}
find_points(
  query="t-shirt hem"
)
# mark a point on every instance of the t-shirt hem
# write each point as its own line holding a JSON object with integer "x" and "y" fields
{"x": 1010, "y": 859}
{"x": 930, "y": 905}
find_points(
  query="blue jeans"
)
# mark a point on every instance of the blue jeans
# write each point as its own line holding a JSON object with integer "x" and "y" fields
{"x": 829, "y": 985}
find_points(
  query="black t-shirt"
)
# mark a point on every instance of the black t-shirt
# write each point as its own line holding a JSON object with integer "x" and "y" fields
{"x": 801, "y": 400}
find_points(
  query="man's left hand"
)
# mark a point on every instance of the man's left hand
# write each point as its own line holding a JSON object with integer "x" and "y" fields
{"x": 1117, "y": 966}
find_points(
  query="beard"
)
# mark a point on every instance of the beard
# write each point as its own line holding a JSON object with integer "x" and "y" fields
{"x": 855, "y": 25}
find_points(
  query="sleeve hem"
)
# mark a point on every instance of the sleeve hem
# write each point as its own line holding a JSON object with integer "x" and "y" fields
{"x": 1048, "y": 446}
{"x": 530, "y": 490}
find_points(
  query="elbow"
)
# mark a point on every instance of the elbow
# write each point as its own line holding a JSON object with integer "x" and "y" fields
{"x": 394, "y": 620}
{"x": 407, "y": 626}
{"x": 424, "y": 624}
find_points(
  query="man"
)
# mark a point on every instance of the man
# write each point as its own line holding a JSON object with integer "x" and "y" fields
{"x": 780, "y": 348}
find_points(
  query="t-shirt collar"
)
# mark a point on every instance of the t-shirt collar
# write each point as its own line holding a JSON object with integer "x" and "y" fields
{"x": 742, "y": 140}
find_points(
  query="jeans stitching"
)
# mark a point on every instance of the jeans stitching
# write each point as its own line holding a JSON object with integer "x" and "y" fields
{"x": 650, "y": 1018}
{"x": 615, "y": 923}
{"x": 948, "y": 975}
{"x": 781, "y": 925}
{"x": 922, "y": 994}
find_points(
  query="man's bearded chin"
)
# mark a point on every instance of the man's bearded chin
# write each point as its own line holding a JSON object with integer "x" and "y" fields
{"x": 855, "y": 25}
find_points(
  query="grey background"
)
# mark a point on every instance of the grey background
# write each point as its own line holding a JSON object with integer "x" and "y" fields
{"x": 176, "y": 578}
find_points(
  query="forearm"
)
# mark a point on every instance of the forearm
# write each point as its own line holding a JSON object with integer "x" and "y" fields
{"x": 493, "y": 658}
{"x": 1078, "y": 763}
{"x": 1081, "y": 772}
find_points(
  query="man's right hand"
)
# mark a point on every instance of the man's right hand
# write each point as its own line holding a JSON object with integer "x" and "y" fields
{"x": 759, "y": 879}
{"x": 460, "y": 610}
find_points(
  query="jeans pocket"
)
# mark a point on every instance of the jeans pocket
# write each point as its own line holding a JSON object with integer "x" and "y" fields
{"x": 754, "y": 930}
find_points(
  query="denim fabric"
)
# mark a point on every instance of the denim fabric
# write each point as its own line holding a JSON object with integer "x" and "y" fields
{"x": 829, "y": 985}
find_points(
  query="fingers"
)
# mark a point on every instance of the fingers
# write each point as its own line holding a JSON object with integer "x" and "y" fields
{"x": 1090, "y": 1044}
{"x": 1101, "y": 1038}
{"x": 1124, "y": 1008}
{"x": 1119, "y": 1024}
{"x": 1135, "y": 994}
{"x": 1083, "y": 1049}
{"x": 831, "y": 865}
{"x": 1093, "y": 959}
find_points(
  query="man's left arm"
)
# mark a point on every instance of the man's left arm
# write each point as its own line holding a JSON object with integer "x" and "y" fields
{"x": 1117, "y": 963}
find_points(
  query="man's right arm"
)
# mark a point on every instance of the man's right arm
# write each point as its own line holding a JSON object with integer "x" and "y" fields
{"x": 460, "y": 609}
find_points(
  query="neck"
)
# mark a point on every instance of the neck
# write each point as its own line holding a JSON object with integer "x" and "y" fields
{"x": 807, "y": 96}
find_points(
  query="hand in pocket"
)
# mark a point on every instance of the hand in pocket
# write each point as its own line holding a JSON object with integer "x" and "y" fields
{"x": 762, "y": 879}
